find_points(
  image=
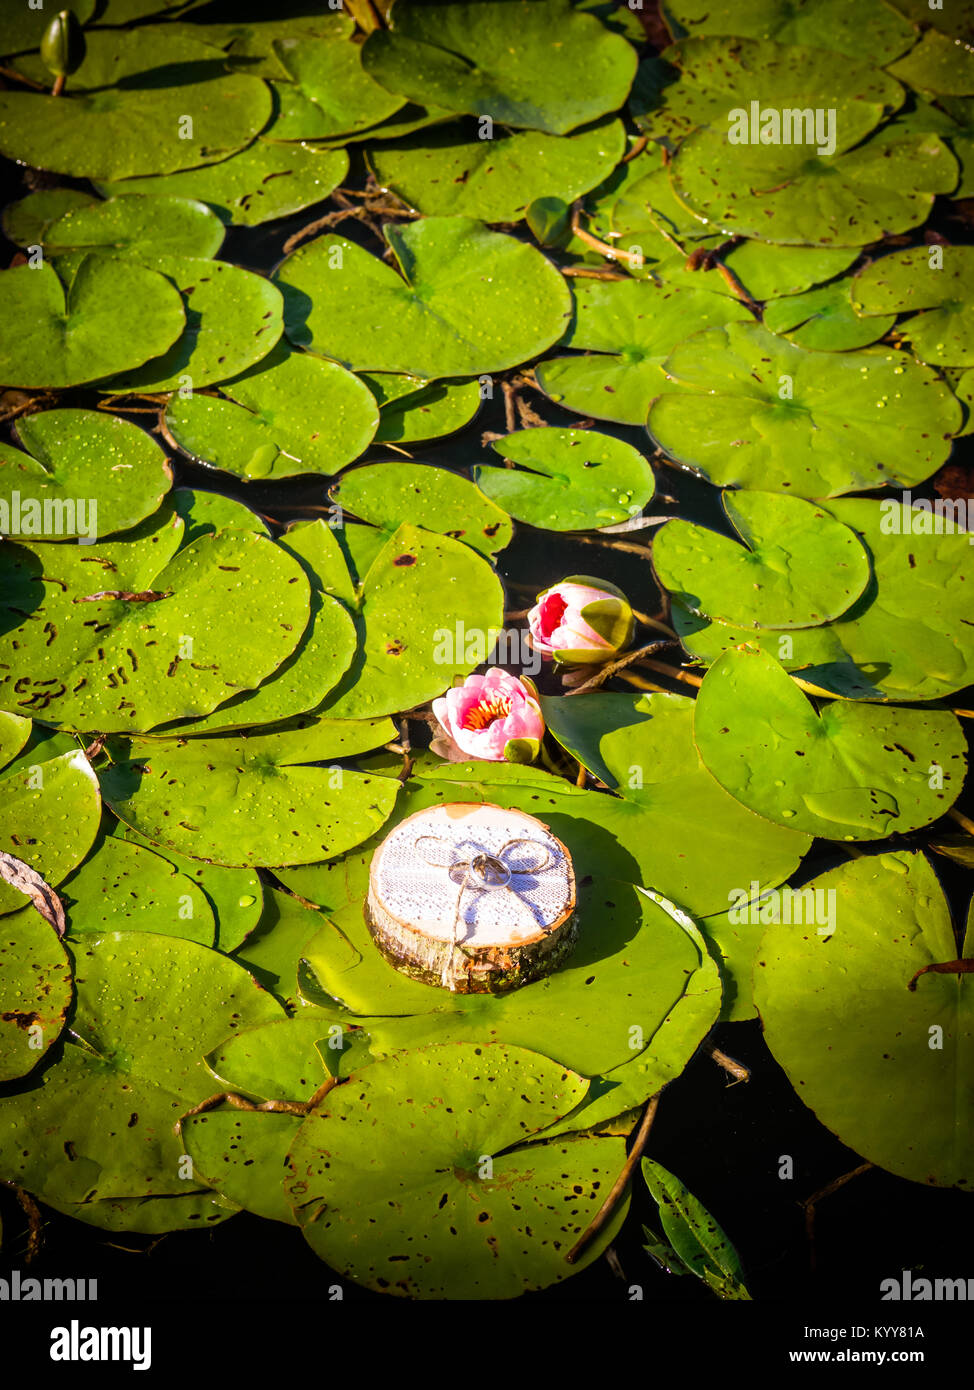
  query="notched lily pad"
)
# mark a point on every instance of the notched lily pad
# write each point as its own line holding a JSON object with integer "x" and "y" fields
{"x": 936, "y": 285}
{"x": 386, "y": 494}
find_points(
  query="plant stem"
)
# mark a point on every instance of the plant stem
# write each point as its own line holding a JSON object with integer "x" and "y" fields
{"x": 961, "y": 819}
{"x": 618, "y": 1187}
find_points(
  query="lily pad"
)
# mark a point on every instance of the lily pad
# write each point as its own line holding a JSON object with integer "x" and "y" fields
{"x": 233, "y": 319}
{"x": 901, "y": 640}
{"x": 790, "y": 194}
{"x": 819, "y": 23}
{"x": 143, "y": 225}
{"x": 468, "y": 300}
{"x": 569, "y": 480}
{"x": 410, "y": 409}
{"x": 273, "y": 952}
{"x": 449, "y": 172}
{"x": 386, "y": 494}
{"x": 87, "y": 474}
{"x": 749, "y": 409}
{"x": 205, "y": 513}
{"x": 454, "y": 1228}
{"x": 460, "y": 56}
{"x": 35, "y": 991}
{"x": 124, "y": 635}
{"x": 699, "y": 81}
{"x": 111, "y": 316}
{"x": 293, "y": 414}
{"x": 881, "y": 1055}
{"x": 250, "y": 800}
{"x": 400, "y": 662}
{"x": 49, "y": 814}
{"x": 235, "y": 896}
{"x": 938, "y": 64}
{"x": 142, "y": 102}
{"x": 846, "y": 772}
{"x": 25, "y": 222}
{"x": 260, "y": 182}
{"x": 628, "y": 329}
{"x": 798, "y": 566}
{"x": 99, "y": 1124}
{"x": 289, "y": 1058}
{"x": 941, "y": 331}
{"x": 123, "y": 887}
{"x": 328, "y": 92}
{"x": 824, "y": 319}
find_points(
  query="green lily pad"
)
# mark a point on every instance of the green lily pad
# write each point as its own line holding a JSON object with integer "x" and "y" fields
{"x": 111, "y": 316}
{"x": 699, "y": 81}
{"x": 263, "y": 181}
{"x": 88, "y": 474}
{"x": 798, "y": 566}
{"x": 142, "y": 102}
{"x": 941, "y": 331}
{"x": 410, "y": 409}
{"x": 901, "y": 640}
{"x": 249, "y": 43}
{"x": 386, "y": 494}
{"x": 249, "y": 800}
{"x": 25, "y": 222}
{"x": 938, "y": 64}
{"x": 293, "y": 414}
{"x": 450, "y": 173}
{"x": 749, "y": 409}
{"x": 205, "y": 513}
{"x": 99, "y": 1124}
{"x": 14, "y": 733}
{"x": 49, "y": 814}
{"x": 579, "y": 480}
{"x": 273, "y": 952}
{"x": 471, "y": 1216}
{"x": 819, "y": 23}
{"x": 142, "y": 225}
{"x": 691, "y": 833}
{"x": 243, "y": 1156}
{"x": 185, "y": 634}
{"x": 884, "y": 1065}
{"x": 22, "y": 28}
{"x": 468, "y": 301}
{"x": 323, "y": 655}
{"x": 769, "y": 272}
{"x": 824, "y": 320}
{"x": 791, "y": 194}
{"x": 629, "y": 328}
{"x": 847, "y": 772}
{"x": 399, "y": 663}
{"x": 328, "y": 92}
{"x": 123, "y": 887}
{"x": 699, "y": 1244}
{"x": 35, "y": 990}
{"x": 565, "y": 69}
{"x": 235, "y": 896}
{"x": 289, "y": 1058}
{"x": 233, "y": 319}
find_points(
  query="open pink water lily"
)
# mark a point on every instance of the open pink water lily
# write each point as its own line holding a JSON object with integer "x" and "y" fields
{"x": 495, "y": 717}
{"x": 581, "y": 621}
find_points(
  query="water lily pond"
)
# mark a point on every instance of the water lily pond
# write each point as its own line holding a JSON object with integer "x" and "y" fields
{"x": 487, "y": 646}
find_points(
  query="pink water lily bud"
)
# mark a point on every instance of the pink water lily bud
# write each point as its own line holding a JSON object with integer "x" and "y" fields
{"x": 495, "y": 717}
{"x": 581, "y": 621}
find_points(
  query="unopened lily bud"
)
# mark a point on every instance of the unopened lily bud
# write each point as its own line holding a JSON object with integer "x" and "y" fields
{"x": 581, "y": 621}
{"x": 63, "y": 46}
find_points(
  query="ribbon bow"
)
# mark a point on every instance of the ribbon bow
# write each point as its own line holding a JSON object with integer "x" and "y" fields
{"x": 482, "y": 871}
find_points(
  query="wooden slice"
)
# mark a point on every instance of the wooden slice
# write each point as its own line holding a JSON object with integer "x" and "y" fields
{"x": 472, "y": 898}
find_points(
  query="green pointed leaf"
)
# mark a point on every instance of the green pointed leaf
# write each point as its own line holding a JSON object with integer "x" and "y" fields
{"x": 112, "y": 316}
{"x": 91, "y": 473}
{"x": 886, "y": 1067}
{"x": 846, "y": 772}
{"x": 813, "y": 424}
{"x": 697, "y": 1239}
{"x": 386, "y": 494}
{"x": 798, "y": 566}
{"x": 461, "y": 56}
{"x": 468, "y": 301}
{"x": 450, "y": 172}
{"x": 450, "y": 1231}
{"x": 579, "y": 480}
